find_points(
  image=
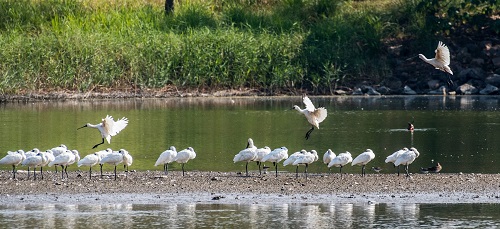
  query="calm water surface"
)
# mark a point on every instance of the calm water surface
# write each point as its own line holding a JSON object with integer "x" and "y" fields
{"x": 459, "y": 132}
{"x": 251, "y": 216}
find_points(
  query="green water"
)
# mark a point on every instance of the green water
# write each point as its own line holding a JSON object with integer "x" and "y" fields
{"x": 459, "y": 132}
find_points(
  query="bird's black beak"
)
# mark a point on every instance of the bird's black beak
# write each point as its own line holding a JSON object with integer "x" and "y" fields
{"x": 82, "y": 127}
{"x": 248, "y": 144}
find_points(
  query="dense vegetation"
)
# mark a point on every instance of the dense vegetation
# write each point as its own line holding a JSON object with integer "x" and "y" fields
{"x": 271, "y": 45}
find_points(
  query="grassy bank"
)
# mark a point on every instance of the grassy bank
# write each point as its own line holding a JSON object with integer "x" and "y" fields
{"x": 270, "y": 45}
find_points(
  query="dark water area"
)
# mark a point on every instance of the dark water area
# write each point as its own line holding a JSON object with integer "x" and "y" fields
{"x": 460, "y": 132}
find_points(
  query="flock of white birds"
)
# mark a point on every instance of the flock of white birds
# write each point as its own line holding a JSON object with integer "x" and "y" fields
{"x": 303, "y": 157}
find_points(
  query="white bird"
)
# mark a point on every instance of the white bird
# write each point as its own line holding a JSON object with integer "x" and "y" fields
{"x": 50, "y": 156}
{"x": 328, "y": 157}
{"x": 102, "y": 154}
{"x": 261, "y": 153}
{"x": 306, "y": 159}
{"x": 166, "y": 157}
{"x": 89, "y": 160}
{"x": 363, "y": 159}
{"x": 341, "y": 160}
{"x": 276, "y": 156}
{"x": 34, "y": 161}
{"x": 108, "y": 127}
{"x": 442, "y": 59}
{"x": 127, "y": 160}
{"x": 407, "y": 158}
{"x": 394, "y": 156}
{"x": 291, "y": 159}
{"x": 32, "y": 152}
{"x": 113, "y": 158}
{"x": 59, "y": 149}
{"x": 14, "y": 159}
{"x": 314, "y": 115}
{"x": 64, "y": 160}
{"x": 246, "y": 155}
{"x": 184, "y": 156}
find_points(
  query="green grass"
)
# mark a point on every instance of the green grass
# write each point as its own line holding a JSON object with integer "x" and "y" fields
{"x": 271, "y": 45}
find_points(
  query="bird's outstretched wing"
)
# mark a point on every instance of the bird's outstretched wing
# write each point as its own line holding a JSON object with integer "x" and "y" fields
{"x": 320, "y": 114}
{"x": 107, "y": 124}
{"x": 118, "y": 126}
{"x": 309, "y": 105}
{"x": 442, "y": 54}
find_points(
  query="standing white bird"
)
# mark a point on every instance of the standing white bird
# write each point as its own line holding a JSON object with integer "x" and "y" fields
{"x": 261, "y": 153}
{"x": 102, "y": 154}
{"x": 34, "y": 161}
{"x": 127, "y": 160}
{"x": 276, "y": 156}
{"x": 58, "y": 150}
{"x": 363, "y": 159}
{"x": 113, "y": 158}
{"x": 166, "y": 157}
{"x": 306, "y": 159}
{"x": 64, "y": 160}
{"x": 341, "y": 160}
{"x": 292, "y": 158}
{"x": 394, "y": 156}
{"x": 314, "y": 115}
{"x": 14, "y": 159}
{"x": 442, "y": 59}
{"x": 328, "y": 157}
{"x": 407, "y": 158}
{"x": 246, "y": 155}
{"x": 89, "y": 160}
{"x": 108, "y": 127}
{"x": 184, "y": 156}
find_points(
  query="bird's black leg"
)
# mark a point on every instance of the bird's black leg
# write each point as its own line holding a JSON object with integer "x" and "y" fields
{"x": 276, "y": 167}
{"x": 306, "y": 170}
{"x": 56, "y": 168}
{"x": 99, "y": 144}
{"x": 398, "y": 170}
{"x": 309, "y": 132}
{"x": 90, "y": 173}
{"x": 297, "y": 172}
{"x": 34, "y": 173}
{"x": 28, "y": 172}
{"x": 260, "y": 172}
{"x": 62, "y": 171}
{"x": 340, "y": 171}
{"x": 41, "y": 171}
{"x": 14, "y": 171}
{"x": 246, "y": 168}
{"x": 183, "y": 169}
{"x": 101, "y": 170}
{"x": 115, "y": 172}
{"x": 66, "y": 171}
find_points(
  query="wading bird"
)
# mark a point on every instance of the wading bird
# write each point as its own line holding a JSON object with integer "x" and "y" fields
{"x": 394, "y": 156}
{"x": 246, "y": 155}
{"x": 184, "y": 156}
{"x": 313, "y": 115}
{"x": 363, "y": 159}
{"x": 14, "y": 159}
{"x": 166, "y": 157}
{"x": 306, "y": 159}
{"x": 276, "y": 156}
{"x": 441, "y": 61}
{"x": 127, "y": 160}
{"x": 292, "y": 158}
{"x": 341, "y": 160}
{"x": 89, "y": 160}
{"x": 34, "y": 161}
{"x": 328, "y": 157}
{"x": 108, "y": 127}
{"x": 261, "y": 153}
{"x": 113, "y": 158}
{"x": 64, "y": 160}
{"x": 407, "y": 158}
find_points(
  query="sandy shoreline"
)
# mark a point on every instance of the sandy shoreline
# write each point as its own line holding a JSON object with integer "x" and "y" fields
{"x": 151, "y": 187}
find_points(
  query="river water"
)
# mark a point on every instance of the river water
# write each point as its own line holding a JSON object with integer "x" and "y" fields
{"x": 461, "y": 133}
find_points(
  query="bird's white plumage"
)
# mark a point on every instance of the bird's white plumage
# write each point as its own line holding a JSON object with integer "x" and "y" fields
{"x": 306, "y": 158}
{"x": 261, "y": 153}
{"x": 442, "y": 59}
{"x": 294, "y": 156}
{"x": 113, "y": 158}
{"x": 276, "y": 155}
{"x": 59, "y": 149}
{"x": 127, "y": 158}
{"x": 111, "y": 128}
{"x": 407, "y": 157}
{"x": 248, "y": 154}
{"x": 34, "y": 161}
{"x": 394, "y": 156}
{"x": 341, "y": 160}
{"x": 185, "y": 155}
{"x": 167, "y": 156}
{"x": 328, "y": 156}
{"x": 363, "y": 158}
{"x": 13, "y": 158}
{"x": 64, "y": 159}
{"x": 89, "y": 160}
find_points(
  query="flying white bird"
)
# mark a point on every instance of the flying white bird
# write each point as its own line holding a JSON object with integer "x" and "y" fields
{"x": 328, "y": 157}
{"x": 166, "y": 157}
{"x": 407, "y": 158}
{"x": 363, "y": 159}
{"x": 394, "y": 156}
{"x": 442, "y": 59}
{"x": 314, "y": 115}
{"x": 246, "y": 155}
{"x": 89, "y": 160}
{"x": 276, "y": 156}
{"x": 64, "y": 160}
{"x": 306, "y": 159}
{"x": 14, "y": 159}
{"x": 261, "y": 153}
{"x": 341, "y": 160}
{"x": 108, "y": 127}
{"x": 34, "y": 161}
{"x": 113, "y": 158}
{"x": 184, "y": 156}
